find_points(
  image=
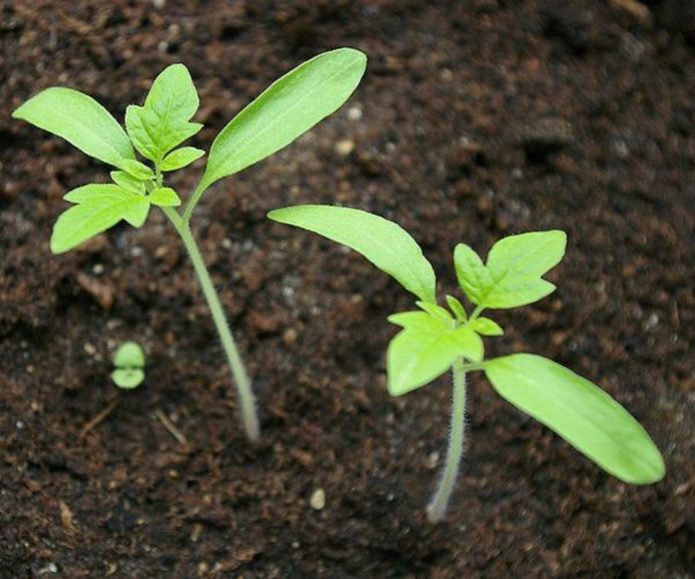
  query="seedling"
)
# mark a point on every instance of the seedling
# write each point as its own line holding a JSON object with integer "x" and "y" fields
{"x": 434, "y": 339}
{"x": 129, "y": 364}
{"x": 288, "y": 108}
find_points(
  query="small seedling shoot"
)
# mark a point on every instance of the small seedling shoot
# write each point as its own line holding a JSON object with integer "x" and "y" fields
{"x": 129, "y": 366}
{"x": 434, "y": 339}
{"x": 155, "y": 130}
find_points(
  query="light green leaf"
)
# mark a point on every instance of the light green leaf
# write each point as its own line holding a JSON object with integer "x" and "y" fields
{"x": 512, "y": 275}
{"x": 162, "y": 123}
{"x": 387, "y": 245}
{"x": 425, "y": 349}
{"x": 486, "y": 327}
{"x": 80, "y": 120}
{"x": 129, "y": 355}
{"x": 126, "y": 181}
{"x": 436, "y": 311}
{"x": 288, "y": 108}
{"x": 100, "y": 206}
{"x": 470, "y": 272}
{"x": 128, "y": 378}
{"x": 164, "y": 197}
{"x": 137, "y": 169}
{"x": 457, "y": 308}
{"x": 180, "y": 158}
{"x": 580, "y": 412}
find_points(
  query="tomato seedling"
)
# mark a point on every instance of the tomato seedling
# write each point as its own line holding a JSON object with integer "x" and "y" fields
{"x": 129, "y": 366}
{"x": 434, "y": 339}
{"x": 288, "y": 108}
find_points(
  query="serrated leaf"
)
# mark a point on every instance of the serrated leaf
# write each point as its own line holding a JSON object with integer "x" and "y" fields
{"x": 512, "y": 275}
{"x": 180, "y": 158}
{"x": 457, "y": 308}
{"x": 164, "y": 197}
{"x": 162, "y": 123}
{"x": 137, "y": 169}
{"x": 129, "y": 355}
{"x": 100, "y": 206}
{"x": 425, "y": 349}
{"x": 580, "y": 412}
{"x": 128, "y": 378}
{"x": 384, "y": 243}
{"x": 126, "y": 181}
{"x": 292, "y": 105}
{"x": 80, "y": 120}
{"x": 486, "y": 327}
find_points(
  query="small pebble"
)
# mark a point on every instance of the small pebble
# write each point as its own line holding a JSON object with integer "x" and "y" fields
{"x": 354, "y": 113}
{"x": 318, "y": 500}
{"x": 344, "y": 147}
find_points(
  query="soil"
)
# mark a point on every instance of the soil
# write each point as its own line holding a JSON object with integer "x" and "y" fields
{"x": 475, "y": 120}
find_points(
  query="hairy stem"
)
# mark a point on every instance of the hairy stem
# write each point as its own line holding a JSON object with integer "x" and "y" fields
{"x": 241, "y": 379}
{"x": 437, "y": 507}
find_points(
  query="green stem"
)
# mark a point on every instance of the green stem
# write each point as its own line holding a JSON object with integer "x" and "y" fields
{"x": 248, "y": 405}
{"x": 437, "y": 507}
{"x": 193, "y": 201}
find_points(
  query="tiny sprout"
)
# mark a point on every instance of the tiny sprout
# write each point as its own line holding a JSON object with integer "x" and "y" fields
{"x": 292, "y": 105}
{"x": 129, "y": 363}
{"x": 433, "y": 340}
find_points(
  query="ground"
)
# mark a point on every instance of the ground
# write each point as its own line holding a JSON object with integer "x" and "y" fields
{"x": 475, "y": 120}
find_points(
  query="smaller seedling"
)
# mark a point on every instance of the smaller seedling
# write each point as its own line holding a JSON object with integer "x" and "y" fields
{"x": 434, "y": 339}
{"x": 129, "y": 364}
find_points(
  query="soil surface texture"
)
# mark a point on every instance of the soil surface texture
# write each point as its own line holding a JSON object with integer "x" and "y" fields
{"x": 475, "y": 120}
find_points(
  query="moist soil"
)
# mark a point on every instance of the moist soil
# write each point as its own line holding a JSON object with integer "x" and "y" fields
{"x": 475, "y": 120}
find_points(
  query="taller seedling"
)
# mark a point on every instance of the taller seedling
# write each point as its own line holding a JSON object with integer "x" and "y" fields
{"x": 288, "y": 108}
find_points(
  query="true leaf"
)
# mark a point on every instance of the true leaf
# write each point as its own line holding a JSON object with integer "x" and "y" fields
{"x": 80, "y": 120}
{"x": 292, "y": 105}
{"x": 137, "y": 169}
{"x": 180, "y": 158}
{"x": 99, "y": 207}
{"x": 512, "y": 275}
{"x": 387, "y": 245}
{"x": 123, "y": 179}
{"x": 436, "y": 311}
{"x": 486, "y": 327}
{"x": 580, "y": 412}
{"x": 164, "y": 197}
{"x": 425, "y": 349}
{"x": 457, "y": 308}
{"x": 162, "y": 123}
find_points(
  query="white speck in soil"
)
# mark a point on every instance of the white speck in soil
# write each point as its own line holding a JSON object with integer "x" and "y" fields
{"x": 318, "y": 500}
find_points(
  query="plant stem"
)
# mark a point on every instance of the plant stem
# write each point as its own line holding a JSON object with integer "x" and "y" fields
{"x": 248, "y": 404}
{"x": 437, "y": 507}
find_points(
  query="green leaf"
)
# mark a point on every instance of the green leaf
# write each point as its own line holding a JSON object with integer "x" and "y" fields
{"x": 100, "y": 206}
{"x": 128, "y": 378}
{"x": 580, "y": 412}
{"x": 126, "y": 181}
{"x": 80, "y": 120}
{"x": 162, "y": 123}
{"x": 180, "y": 158}
{"x": 436, "y": 311}
{"x": 165, "y": 197}
{"x": 137, "y": 169}
{"x": 129, "y": 355}
{"x": 512, "y": 275}
{"x": 288, "y": 108}
{"x": 486, "y": 327}
{"x": 425, "y": 349}
{"x": 457, "y": 308}
{"x": 387, "y": 245}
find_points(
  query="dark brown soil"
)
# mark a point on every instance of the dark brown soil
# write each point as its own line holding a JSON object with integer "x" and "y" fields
{"x": 475, "y": 120}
